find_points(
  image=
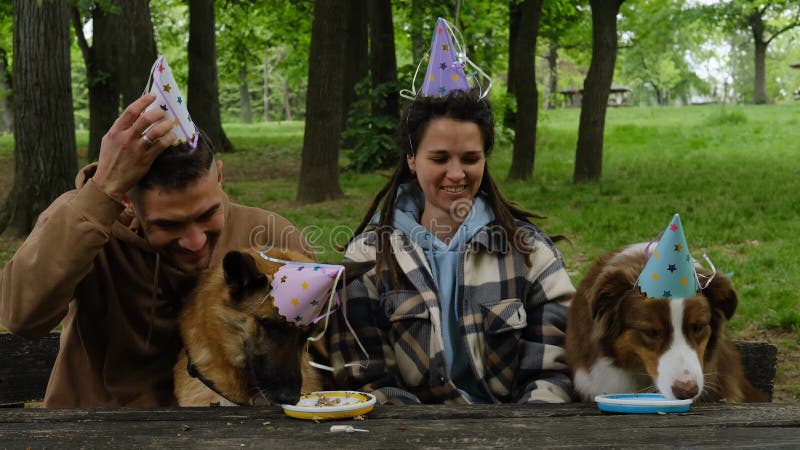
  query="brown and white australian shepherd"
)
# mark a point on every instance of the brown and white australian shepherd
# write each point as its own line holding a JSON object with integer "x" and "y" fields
{"x": 237, "y": 349}
{"x": 620, "y": 342}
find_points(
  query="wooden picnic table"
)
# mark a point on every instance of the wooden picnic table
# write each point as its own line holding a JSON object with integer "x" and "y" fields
{"x": 428, "y": 426}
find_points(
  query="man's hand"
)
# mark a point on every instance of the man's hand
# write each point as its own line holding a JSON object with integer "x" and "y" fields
{"x": 126, "y": 152}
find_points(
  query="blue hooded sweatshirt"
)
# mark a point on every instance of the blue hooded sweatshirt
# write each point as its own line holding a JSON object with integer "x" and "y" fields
{"x": 444, "y": 260}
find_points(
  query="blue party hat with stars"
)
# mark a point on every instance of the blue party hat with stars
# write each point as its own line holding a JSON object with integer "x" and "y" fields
{"x": 169, "y": 98}
{"x": 669, "y": 273}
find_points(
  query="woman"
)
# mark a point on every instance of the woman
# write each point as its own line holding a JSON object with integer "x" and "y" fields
{"x": 467, "y": 302}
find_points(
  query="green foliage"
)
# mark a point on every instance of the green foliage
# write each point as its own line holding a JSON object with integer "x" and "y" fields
{"x": 372, "y": 135}
{"x": 258, "y": 32}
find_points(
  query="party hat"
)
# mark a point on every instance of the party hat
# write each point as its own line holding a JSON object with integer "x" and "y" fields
{"x": 447, "y": 61}
{"x": 445, "y": 69}
{"x": 301, "y": 290}
{"x": 170, "y": 99}
{"x": 669, "y": 273}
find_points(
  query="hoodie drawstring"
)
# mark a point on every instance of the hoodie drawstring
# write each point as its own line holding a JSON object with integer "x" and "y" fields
{"x": 154, "y": 298}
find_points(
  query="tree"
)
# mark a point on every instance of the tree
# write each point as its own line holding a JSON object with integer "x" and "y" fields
{"x": 522, "y": 72}
{"x": 657, "y": 37}
{"x": 203, "y": 91}
{"x": 765, "y": 21}
{"x": 6, "y": 99}
{"x": 383, "y": 63}
{"x": 319, "y": 167}
{"x": 45, "y": 159}
{"x": 596, "y": 87}
{"x": 357, "y": 55}
{"x": 139, "y": 49}
{"x": 760, "y": 25}
{"x": 102, "y": 60}
{"x": 561, "y": 27}
{"x": 243, "y": 34}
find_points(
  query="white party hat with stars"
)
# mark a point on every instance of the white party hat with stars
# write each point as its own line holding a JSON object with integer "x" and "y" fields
{"x": 170, "y": 99}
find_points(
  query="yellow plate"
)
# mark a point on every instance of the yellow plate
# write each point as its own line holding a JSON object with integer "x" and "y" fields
{"x": 331, "y": 405}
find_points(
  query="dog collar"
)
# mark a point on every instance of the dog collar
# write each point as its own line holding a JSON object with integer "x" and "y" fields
{"x": 194, "y": 373}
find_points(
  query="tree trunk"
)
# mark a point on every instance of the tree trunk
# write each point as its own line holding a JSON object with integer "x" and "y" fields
{"x": 265, "y": 84}
{"x": 756, "y": 21}
{"x": 139, "y": 49}
{"x": 596, "y": 87}
{"x": 522, "y": 160}
{"x": 246, "y": 112}
{"x": 287, "y": 105}
{"x": 419, "y": 44}
{"x": 203, "y": 92}
{"x": 319, "y": 169}
{"x": 356, "y": 57}
{"x": 383, "y": 72}
{"x": 382, "y": 60}
{"x": 6, "y": 94}
{"x": 102, "y": 61}
{"x": 45, "y": 161}
{"x": 514, "y": 16}
{"x": 552, "y": 70}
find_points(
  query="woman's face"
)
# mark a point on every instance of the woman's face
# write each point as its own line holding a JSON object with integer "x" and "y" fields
{"x": 449, "y": 164}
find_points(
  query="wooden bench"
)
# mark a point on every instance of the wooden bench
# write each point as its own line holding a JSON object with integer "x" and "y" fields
{"x": 25, "y": 366}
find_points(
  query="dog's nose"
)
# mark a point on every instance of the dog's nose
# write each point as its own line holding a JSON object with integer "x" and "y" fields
{"x": 285, "y": 396}
{"x": 684, "y": 389}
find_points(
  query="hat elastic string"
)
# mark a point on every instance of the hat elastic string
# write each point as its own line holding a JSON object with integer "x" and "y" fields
{"x": 150, "y": 78}
{"x": 707, "y": 278}
{"x": 457, "y": 38}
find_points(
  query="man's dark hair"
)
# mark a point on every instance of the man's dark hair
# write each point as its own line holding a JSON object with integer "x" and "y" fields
{"x": 179, "y": 166}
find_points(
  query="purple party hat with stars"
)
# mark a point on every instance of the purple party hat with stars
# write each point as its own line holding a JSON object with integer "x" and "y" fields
{"x": 301, "y": 290}
{"x": 445, "y": 68}
{"x": 669, "y": 273}
{"x": 170, "y": 99}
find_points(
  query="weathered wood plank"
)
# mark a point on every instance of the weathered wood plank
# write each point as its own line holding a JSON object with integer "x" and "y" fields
{"x": 432, "y": 426}
{"x": 25, "y": 367}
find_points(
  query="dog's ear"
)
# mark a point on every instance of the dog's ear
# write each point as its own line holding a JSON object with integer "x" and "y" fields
{"x": 353, "y": 270}
{"x": 605, "y": 296}
{"x": 722, "y": 296}
{"x": 241, "y": 274}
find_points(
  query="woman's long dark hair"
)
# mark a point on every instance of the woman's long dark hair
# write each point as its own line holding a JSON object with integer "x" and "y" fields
{"x": 457, "y": 105}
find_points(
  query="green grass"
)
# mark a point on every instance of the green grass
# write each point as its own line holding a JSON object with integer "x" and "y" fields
{"x": 731, "y": 173}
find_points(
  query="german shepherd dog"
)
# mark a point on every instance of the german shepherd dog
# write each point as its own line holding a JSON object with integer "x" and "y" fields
{"x": 620, "y": 342}
{"x": 237, "y": 349}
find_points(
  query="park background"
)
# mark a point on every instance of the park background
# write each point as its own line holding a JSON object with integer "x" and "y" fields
{"x": 702, "y": 119}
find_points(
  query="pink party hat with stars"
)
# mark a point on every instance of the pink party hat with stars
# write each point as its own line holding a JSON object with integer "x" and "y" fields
{"x": 169, "y": 98}
{"x": 449, "y": 69}
{"x": 670, "y": 273}
{"x": 302, "y": 290}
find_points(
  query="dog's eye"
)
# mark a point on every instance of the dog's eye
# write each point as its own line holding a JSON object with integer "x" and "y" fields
{"x": 650, "y": 333}
{"x": 698, "y": 328}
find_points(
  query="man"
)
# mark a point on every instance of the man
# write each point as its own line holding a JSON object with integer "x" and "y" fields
{"x": 113, "y": 259}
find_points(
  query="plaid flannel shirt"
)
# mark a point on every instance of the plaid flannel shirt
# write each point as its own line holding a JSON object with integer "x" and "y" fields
{"x": 512, "y": 318}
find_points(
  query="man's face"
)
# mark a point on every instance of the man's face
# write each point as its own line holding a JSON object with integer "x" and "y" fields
{"x": 183, "y": 225}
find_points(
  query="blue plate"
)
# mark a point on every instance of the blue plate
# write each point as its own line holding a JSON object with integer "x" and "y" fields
{"x": 641, "y": 404}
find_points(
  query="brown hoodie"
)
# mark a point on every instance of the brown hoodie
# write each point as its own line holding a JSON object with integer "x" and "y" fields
{"x": 86, "y": 264}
